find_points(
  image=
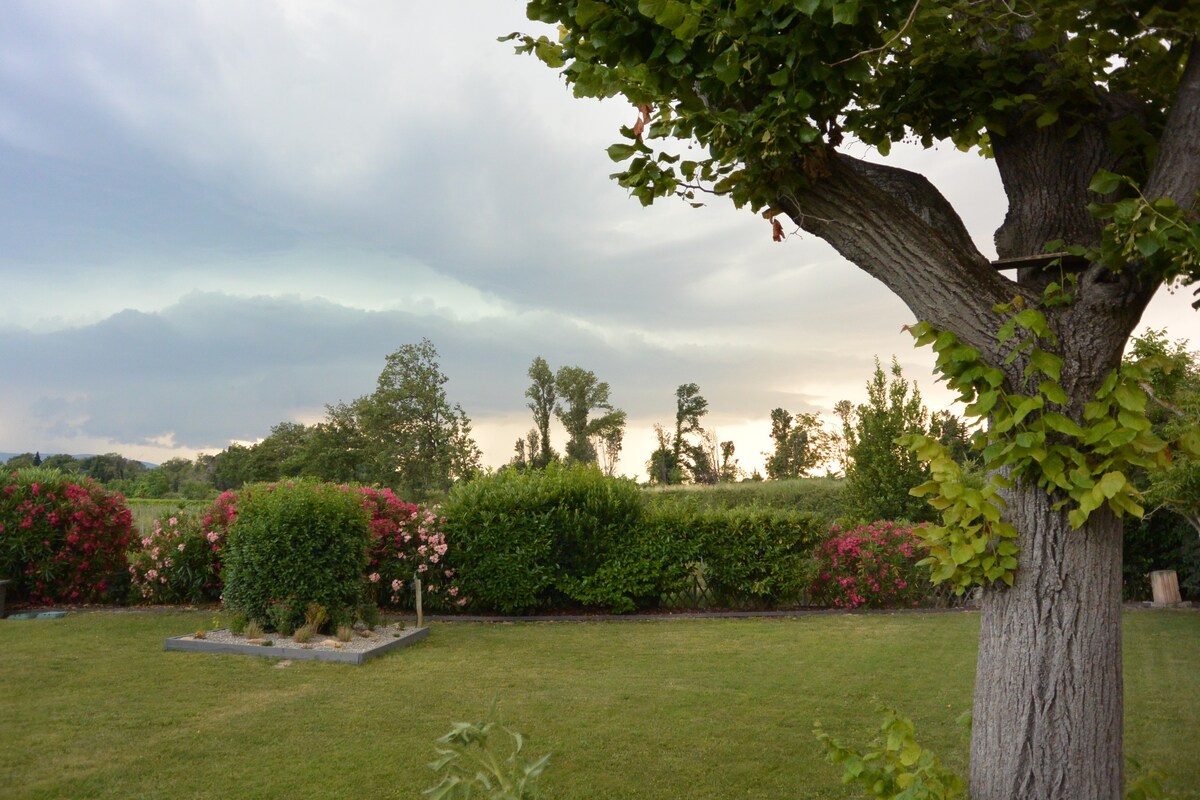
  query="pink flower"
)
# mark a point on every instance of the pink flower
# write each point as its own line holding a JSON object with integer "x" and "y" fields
{"x": 173, "y": 521}
{"x": 397, "y": 584}
{"x": 180, "y": 548}
{"x": 462, "y": 601}
{"x": 454, "y": 591}
{"x": 212, "y": 536}
{"x": 422, "y": 568}
{"x": 374, "y": 576}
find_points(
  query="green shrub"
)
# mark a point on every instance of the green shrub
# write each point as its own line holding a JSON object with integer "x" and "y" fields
{"x": 525, "y": 540}
{"x": 760, "y": 555}
{"x": 300, "y": 541}
{"x": 62, "y": 539}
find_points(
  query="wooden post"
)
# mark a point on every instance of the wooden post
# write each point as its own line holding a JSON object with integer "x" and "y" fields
{"x": 420, "y": 611}
{"x": 1164, "y": 584}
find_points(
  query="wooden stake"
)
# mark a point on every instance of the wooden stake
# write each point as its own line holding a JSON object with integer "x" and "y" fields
{"x": 420, "y": 611}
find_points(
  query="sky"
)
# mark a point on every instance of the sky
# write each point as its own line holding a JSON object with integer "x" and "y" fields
{"x": 218, "y": 216}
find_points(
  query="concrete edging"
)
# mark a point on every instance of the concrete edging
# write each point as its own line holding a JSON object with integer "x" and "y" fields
{"x": 188, "y": 644}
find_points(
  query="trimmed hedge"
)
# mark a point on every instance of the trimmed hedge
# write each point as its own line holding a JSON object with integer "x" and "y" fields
{"x": 527, "y": 540}
{"x": 564, "y": 536}
{"x": 293, "y": 544}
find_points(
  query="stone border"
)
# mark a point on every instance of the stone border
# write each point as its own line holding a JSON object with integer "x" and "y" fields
{"x": 190, "y": 644}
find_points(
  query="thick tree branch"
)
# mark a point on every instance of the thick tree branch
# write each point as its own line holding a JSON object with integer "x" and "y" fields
{"x": 897, "y": 227}
{"x": 1176, "y": 173}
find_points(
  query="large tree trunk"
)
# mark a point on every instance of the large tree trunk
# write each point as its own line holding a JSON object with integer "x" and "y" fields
{"x": 1048, "y": 689}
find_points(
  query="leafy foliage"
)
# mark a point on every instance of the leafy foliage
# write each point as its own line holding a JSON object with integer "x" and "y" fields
{"x": 522, "y": 539}
{"x": 471, "y": 767}
{"x": 62, "y": 539}
{"x": 801, "y": 445}
{"x": 299, "y": 542}
{"x": 880, "y": 472}
{"x": 897, "y": 766}
{"x": 542, "y": 396}
{"x": 1033, "y": 438}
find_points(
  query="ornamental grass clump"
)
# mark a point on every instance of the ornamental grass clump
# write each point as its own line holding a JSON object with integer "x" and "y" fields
{"x": 301, "y": 540}
{"x": 62, "y": 540}
{"x": 871, "y": 566}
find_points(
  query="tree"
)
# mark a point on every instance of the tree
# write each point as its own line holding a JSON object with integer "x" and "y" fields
{"x": 1091, "y": 112}
{"x": 607, "y": 436}
{"x": 542, "y": 397}
{"x": 801, "y": 445}
{"x": 663, "y": 468}
{"x": 1174, "y": 411}
{"x": 880, "y": 472}
{"x": 690, "y": 406}
{"x": 414, "y": 439}
{"x": 579, "y": 394}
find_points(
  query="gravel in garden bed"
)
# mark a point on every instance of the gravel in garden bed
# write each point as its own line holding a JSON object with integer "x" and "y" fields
{"x": 359, "y": 643}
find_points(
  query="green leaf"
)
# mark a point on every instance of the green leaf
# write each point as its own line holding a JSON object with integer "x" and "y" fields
{"x": 1105, "y": 182}
{"x": 588, "y": 11}
{"x": 727, "y": 66}
{"x": 845, "y": 12}
{"x": 620, "y": 152}
{"x": 1047, "y": 118}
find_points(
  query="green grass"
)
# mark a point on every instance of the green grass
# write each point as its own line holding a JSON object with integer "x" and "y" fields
{"x": 91, "y": 705}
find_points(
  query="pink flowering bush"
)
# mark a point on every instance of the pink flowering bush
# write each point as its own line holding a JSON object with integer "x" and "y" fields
{"x": 61, "y": 540}
{"x": 179, "y": 562}
{"x": 407, "y": 541}
{"x": 870, "y": 566}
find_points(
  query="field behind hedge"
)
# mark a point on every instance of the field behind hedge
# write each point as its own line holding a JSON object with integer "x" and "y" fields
{"x": 94, "y": 708}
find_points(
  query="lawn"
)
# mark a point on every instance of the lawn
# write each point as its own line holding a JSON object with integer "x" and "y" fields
{"x": 91, "y": 705}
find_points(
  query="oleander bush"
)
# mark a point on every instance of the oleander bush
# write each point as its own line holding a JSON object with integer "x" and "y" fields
{"x": 408, "y": 541}
{"x": 871, "y": 566}
{"x": 179, "y": 562}
{"x": 299, "y": 542}
{"x": 62, "y": 539}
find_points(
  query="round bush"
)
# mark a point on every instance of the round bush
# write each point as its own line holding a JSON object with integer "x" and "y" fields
{"x": 871, "y": 566}
{"x": 61, "y": 540}
{"x": 294, "y": 544}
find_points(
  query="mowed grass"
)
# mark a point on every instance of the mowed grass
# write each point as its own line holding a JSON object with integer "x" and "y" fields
{"x": 91, "y": 705}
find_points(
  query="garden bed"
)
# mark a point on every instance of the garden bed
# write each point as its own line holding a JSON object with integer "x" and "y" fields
{"x": 358, "y": 650}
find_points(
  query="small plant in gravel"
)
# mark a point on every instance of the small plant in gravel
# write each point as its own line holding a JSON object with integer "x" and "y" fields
{"x": 315, "y": 617}
{"x": 304, "y": 634}
{"x": 253, "y": 630}
{"x": 345, "y": 633}
{"x": 238, "y": 622}
{"x": 280, "y": 616}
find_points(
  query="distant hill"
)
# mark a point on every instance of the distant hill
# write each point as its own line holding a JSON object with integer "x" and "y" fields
{"x": 4, "y": 457}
